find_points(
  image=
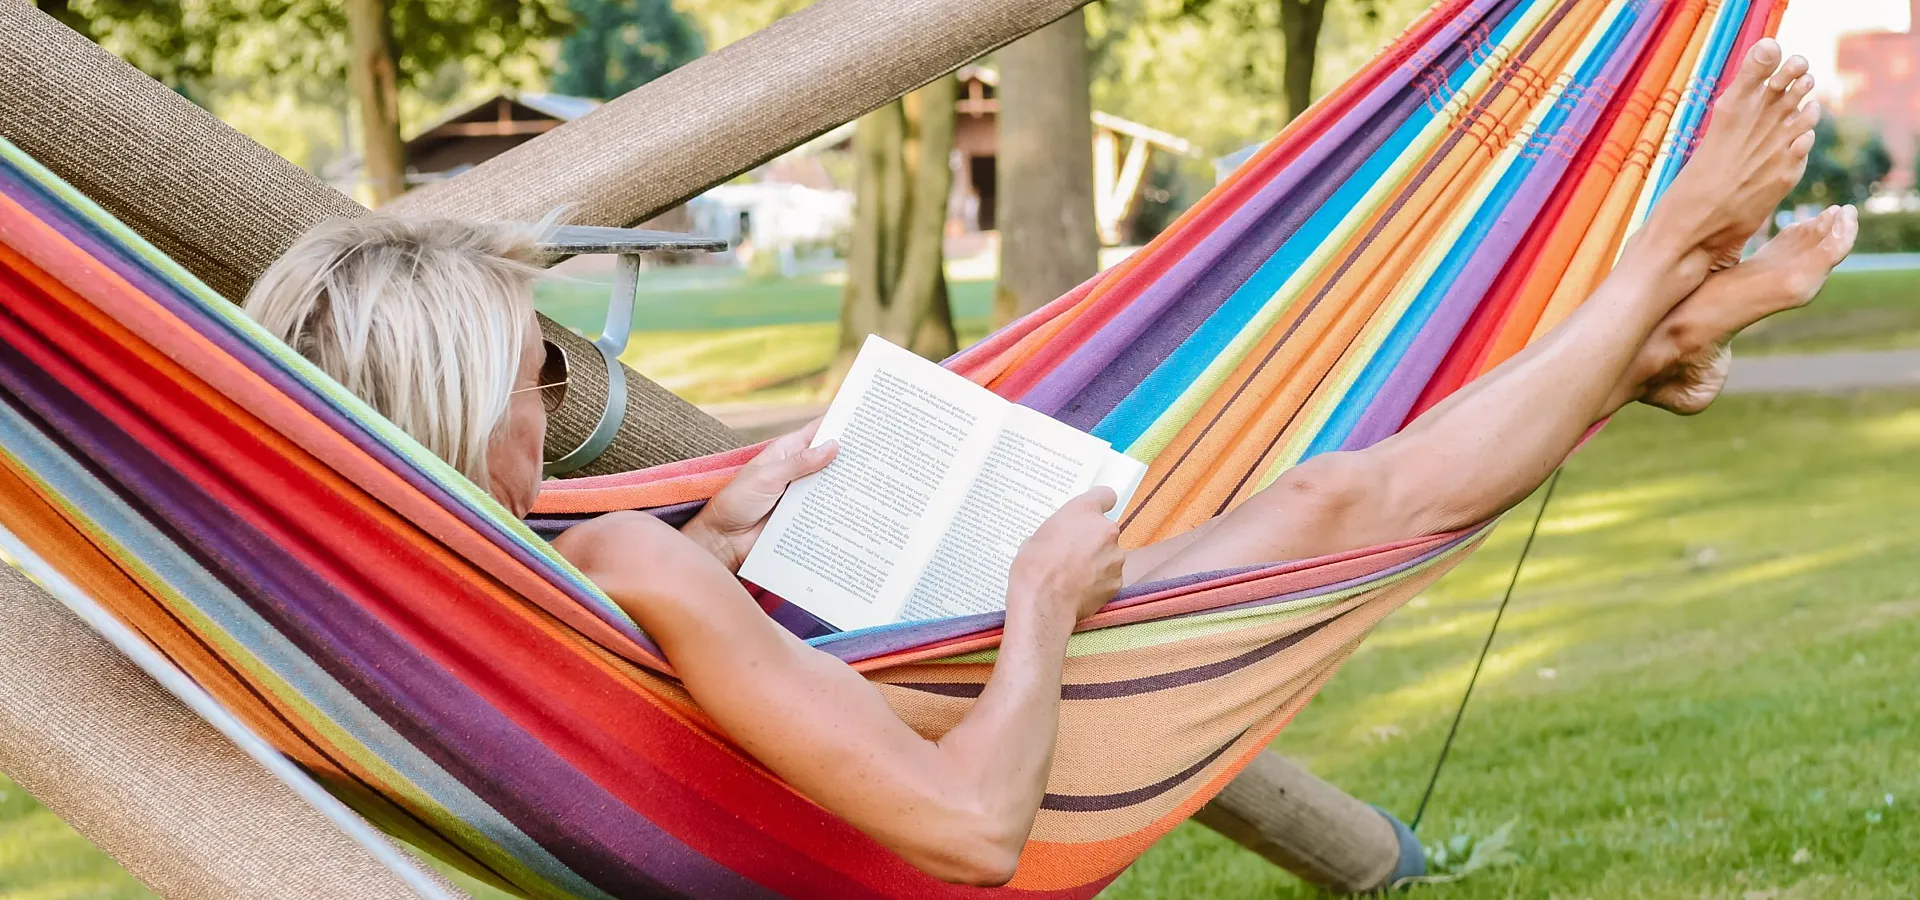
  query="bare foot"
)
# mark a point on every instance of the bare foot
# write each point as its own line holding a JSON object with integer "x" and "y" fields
{"x": 1754, "y": 152}
{"x": 1691, "y": 352}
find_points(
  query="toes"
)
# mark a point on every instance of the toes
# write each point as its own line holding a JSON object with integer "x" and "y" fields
{"x": 1845, "y": 229}
{"x": 1804, "y": 118}
{"x": 1801, "y": 146}
{"x": 1782, "y": 78}
{"x": 1759, "y": 65}
{"x": 1761, "y": 60}
{"x": 1798, "y": 91}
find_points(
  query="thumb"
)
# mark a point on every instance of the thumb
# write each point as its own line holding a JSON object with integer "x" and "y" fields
{"x": 809, "y": 461}
{"x": 1102, "y": 497}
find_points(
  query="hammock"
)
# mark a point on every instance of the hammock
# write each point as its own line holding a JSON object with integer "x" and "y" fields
{"x": 436, "y": 665}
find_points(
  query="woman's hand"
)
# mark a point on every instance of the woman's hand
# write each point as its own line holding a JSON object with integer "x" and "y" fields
{"x": 729, "y": 524}
{"x": 1071, "y": 566}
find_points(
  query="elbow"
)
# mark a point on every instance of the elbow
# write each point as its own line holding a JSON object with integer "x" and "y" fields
{"x": 1332, "y": 501}
{"x": 973, "y": 848}
{"x": 975, "y": 862}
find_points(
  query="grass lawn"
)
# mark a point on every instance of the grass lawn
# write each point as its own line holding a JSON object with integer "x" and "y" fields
{"x": 42, "y": 859}
{"x": 714, "y": 336}
{"x": 1857, "y": 311}
{"x": 1704, "y": 687}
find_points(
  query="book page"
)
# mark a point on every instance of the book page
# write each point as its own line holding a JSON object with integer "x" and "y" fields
{"x": 1123, "y": 473}
{"x": 1035, "y": 466}
{"x": 844, "y": 544}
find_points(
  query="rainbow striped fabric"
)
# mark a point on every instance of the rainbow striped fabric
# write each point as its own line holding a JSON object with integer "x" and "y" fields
{"x": 434, "y": 663}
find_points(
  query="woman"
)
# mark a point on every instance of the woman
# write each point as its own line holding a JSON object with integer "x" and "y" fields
{"x": 432, "y": 324}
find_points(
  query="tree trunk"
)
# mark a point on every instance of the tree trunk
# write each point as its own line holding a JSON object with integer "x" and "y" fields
{"x": 1049, "y": 241}
{"x": 1300, "y": 22}
{"x": 896, "y": 279}
{"x": 376, "y": 91}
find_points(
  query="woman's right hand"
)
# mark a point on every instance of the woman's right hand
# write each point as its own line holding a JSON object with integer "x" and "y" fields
{"x": 1071, "y": 566}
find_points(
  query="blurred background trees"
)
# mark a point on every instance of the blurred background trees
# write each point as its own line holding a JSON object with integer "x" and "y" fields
{"x": 619, "y": 45}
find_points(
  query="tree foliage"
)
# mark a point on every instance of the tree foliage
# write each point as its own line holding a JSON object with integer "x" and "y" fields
{"x": 619, "y": 45}
{"x": 1848, "y": 159}
{"x": 1215, "y": 71}
{"x": 726, "y": 21}
{"x": 188, "y": 43}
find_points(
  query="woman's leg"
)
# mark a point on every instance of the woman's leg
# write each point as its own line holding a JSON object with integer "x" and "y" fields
{"x": 1492, "y": 443}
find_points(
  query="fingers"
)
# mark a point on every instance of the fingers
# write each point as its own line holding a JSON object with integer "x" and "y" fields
{"x": 1103, "y": 497}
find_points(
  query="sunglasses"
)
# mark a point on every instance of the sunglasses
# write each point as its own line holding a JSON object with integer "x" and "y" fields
{"x": 553, "y": 377}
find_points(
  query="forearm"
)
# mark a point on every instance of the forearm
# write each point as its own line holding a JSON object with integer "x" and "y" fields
{"x": 1001, "y": 752}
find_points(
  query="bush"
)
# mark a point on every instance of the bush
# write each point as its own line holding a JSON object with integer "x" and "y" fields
{"x": 1889, "y": 233}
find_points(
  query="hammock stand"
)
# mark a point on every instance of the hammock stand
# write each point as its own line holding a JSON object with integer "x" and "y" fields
{"x": 155, "y": 786}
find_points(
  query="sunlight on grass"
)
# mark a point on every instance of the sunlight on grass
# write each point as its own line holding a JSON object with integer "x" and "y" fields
{"x": 1856, "y": 311}
{"x": 1703, "y": 687}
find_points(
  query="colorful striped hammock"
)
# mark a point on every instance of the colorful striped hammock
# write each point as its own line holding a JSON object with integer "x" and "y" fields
{"x": 436, "y": 665}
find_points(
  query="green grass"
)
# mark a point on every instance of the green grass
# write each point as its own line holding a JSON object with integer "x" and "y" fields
{"x": 42, "y": 859}
{"x": 1708, "y": 668}
{"x": 713, "y": 336}
{"x": 1857, "y": 311}
{"x": 713, "y": 299}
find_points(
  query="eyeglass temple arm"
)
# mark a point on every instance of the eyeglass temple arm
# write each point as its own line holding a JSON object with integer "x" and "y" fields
{"x": 611, "y": 343}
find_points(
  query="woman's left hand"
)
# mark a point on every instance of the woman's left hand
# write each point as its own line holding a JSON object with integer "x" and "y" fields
{"x": 729, "y": 524}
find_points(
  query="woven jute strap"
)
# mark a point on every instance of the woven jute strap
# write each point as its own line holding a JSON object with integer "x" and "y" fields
{"x": 226, "y": 207}
{"x": 733, "y": 109}
{"x": 163, "y": 793}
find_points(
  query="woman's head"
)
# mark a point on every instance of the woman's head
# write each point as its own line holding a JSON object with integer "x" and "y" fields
{"x": 431, "y": 323}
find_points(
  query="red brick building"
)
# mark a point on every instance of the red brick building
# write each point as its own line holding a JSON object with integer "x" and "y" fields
{"x": 1880, "y": 82}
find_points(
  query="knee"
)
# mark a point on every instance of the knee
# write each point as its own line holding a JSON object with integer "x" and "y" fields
{"x": 1328, "y": 491}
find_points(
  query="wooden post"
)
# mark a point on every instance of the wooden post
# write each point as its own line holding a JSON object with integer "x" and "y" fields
{"x": 1313, "y": 829}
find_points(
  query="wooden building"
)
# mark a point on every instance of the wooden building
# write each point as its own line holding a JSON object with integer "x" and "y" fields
{"x": 1121, "y": 151}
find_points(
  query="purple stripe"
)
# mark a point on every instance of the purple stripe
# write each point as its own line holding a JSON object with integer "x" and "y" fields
{"x": 1388, "y": 410}
{"x": 587, "y": 829}
{"x": 854, "y": 646}
{"x": 1124, "y": 799}
{"x": 170, "y": 297}
{"x": 1131, "y": 687}
{"x": 1092, "y": 381}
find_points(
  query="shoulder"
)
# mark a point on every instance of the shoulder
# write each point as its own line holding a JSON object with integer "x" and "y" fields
{"x": 620, "y": 538}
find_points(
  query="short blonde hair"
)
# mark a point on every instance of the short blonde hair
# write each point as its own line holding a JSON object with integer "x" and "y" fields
{"x": 422, "y": 319}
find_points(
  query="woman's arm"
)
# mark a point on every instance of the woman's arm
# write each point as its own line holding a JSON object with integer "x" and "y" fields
{"x": 727, "y": 525}
{"x": 959, "y": 807}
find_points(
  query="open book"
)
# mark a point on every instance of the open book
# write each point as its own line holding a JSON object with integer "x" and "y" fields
{"x": 937, "y": 484}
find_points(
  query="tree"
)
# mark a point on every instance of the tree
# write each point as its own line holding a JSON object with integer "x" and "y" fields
{"x": 896, "y": 283}
{"x": 1049, "y": 239}
{"x": 1847, "y": 161}
{"x": 376, "y": 94}
{"x": 194, "y": 47}
{"x": 619, "y": 45}
{"x": 1300, "y": 23}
